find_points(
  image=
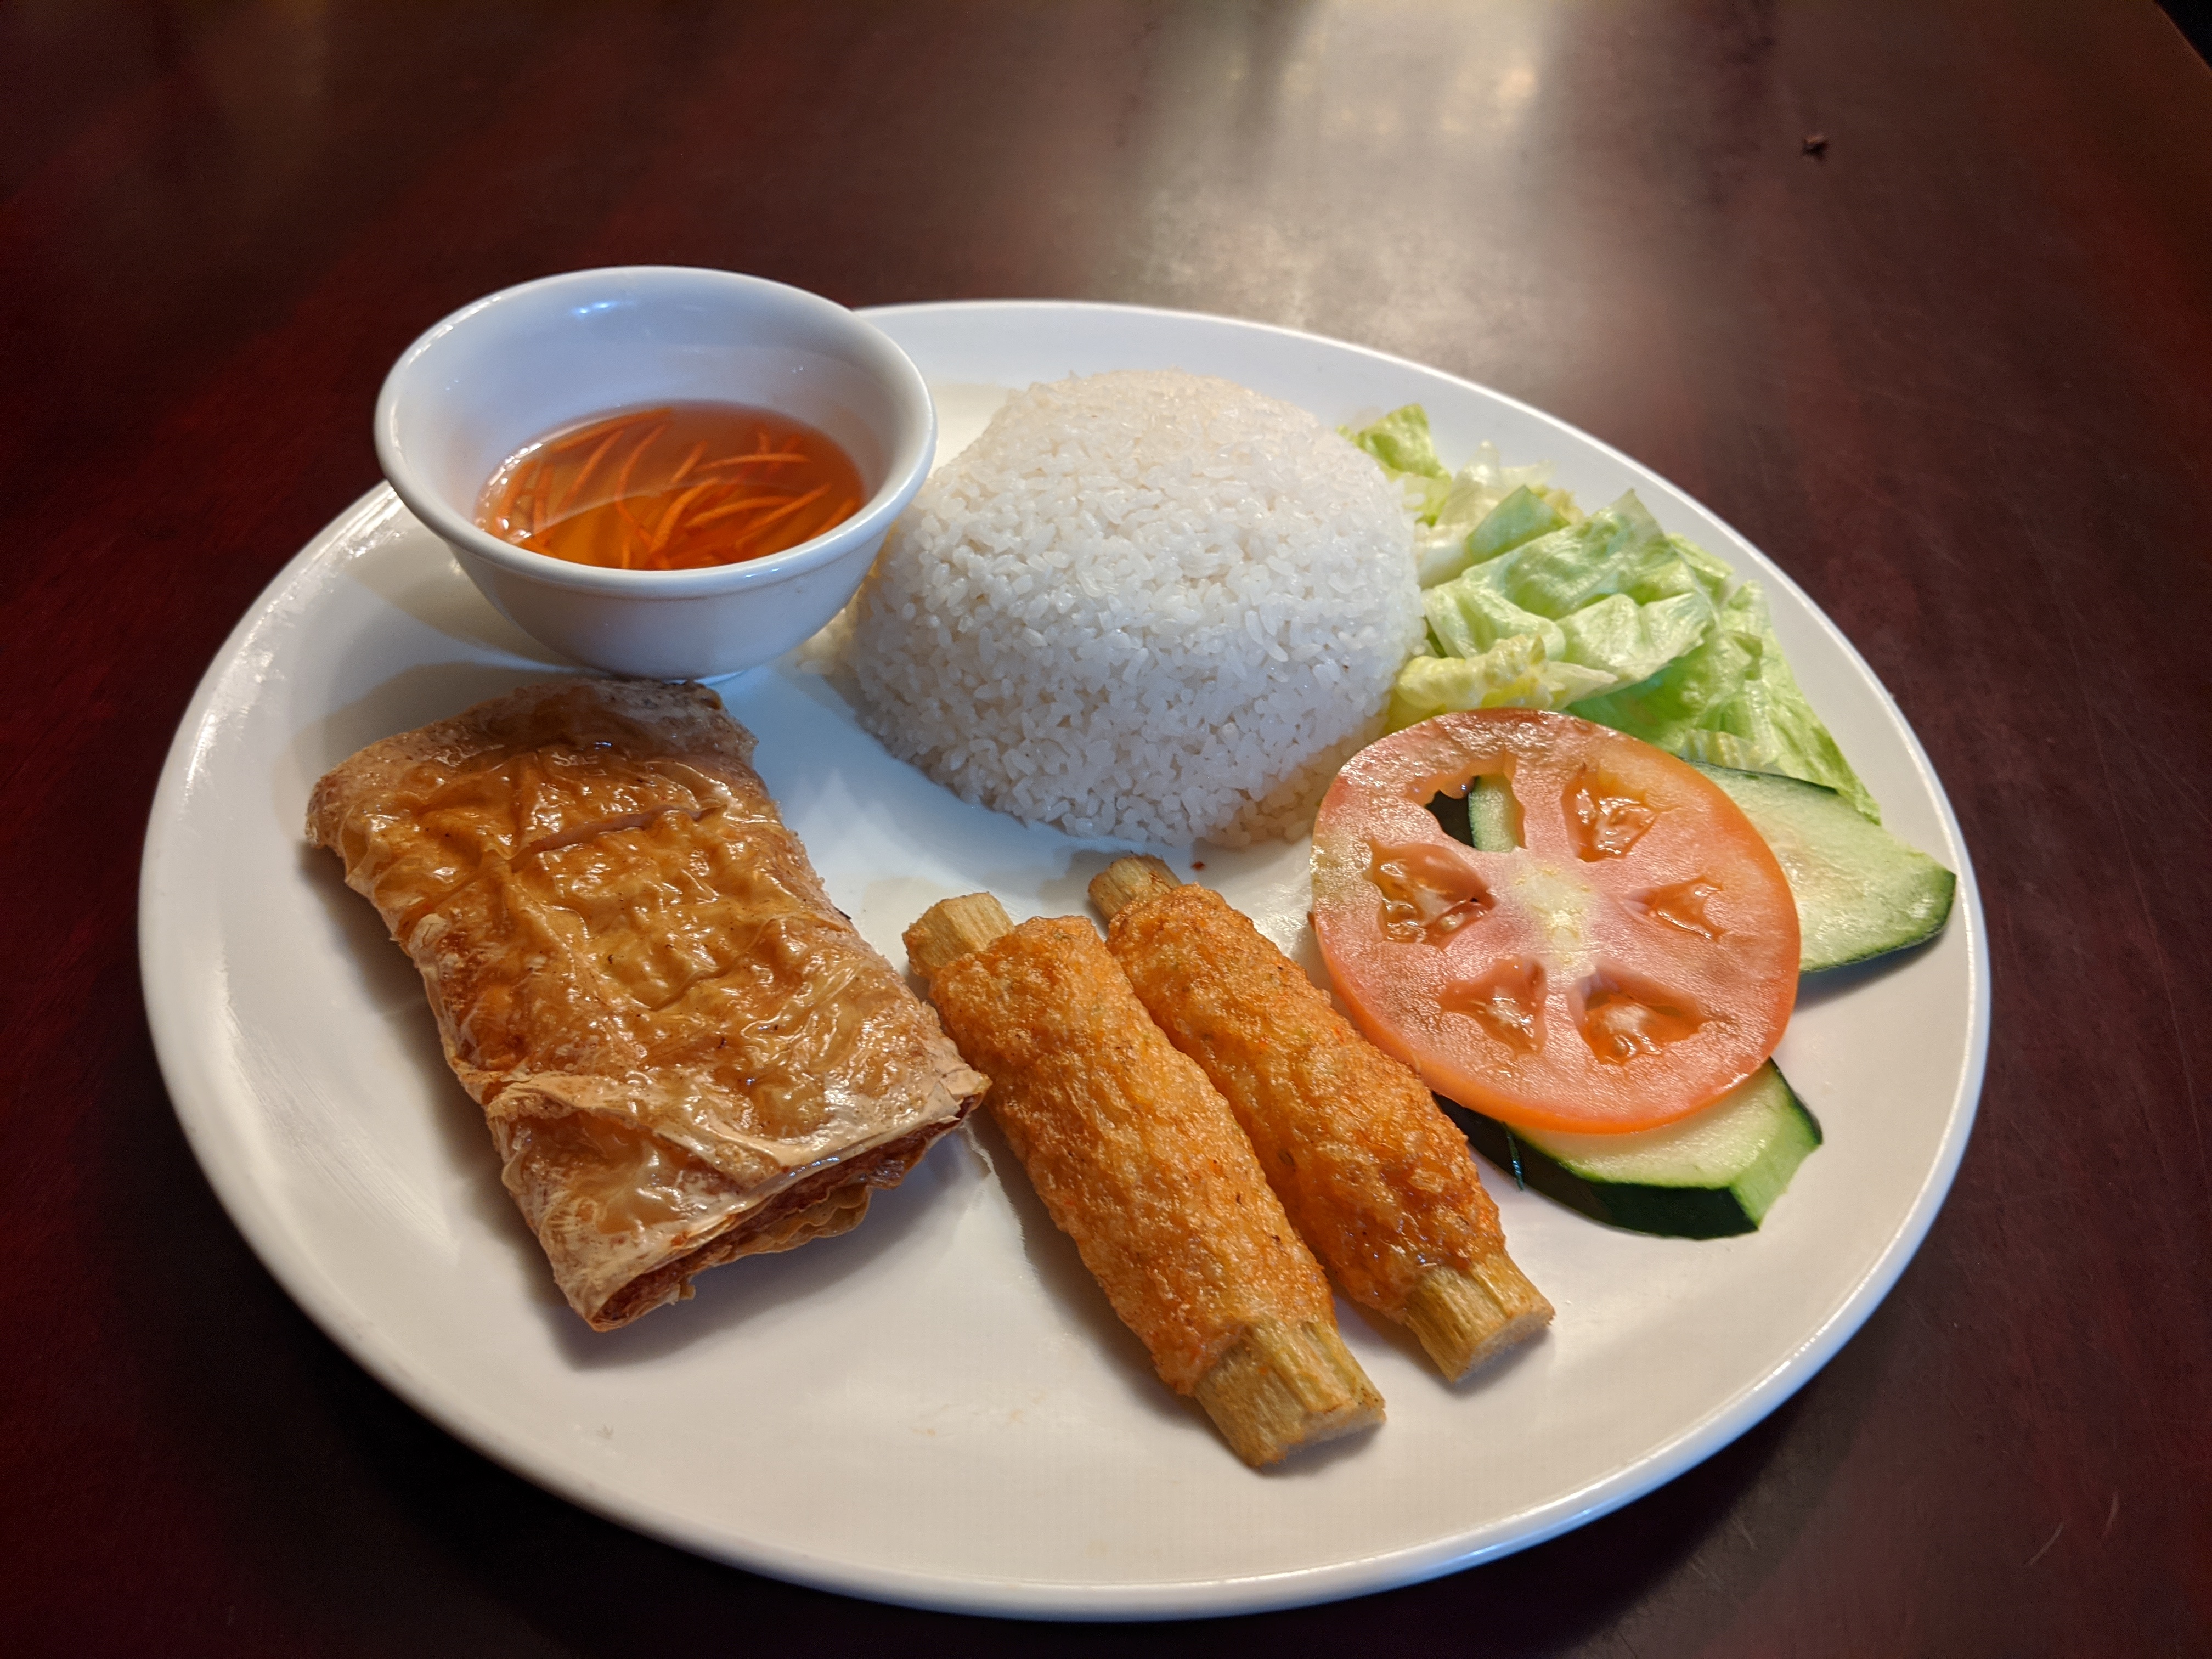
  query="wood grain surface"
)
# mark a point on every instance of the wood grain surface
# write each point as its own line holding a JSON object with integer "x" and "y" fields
{"x": 1954, "y": 371}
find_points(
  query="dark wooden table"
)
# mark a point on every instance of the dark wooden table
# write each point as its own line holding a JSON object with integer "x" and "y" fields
{"x": 1954, "y": 371}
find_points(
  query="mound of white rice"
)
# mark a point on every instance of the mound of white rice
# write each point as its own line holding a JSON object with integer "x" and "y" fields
{"x": 1143, "y": 605}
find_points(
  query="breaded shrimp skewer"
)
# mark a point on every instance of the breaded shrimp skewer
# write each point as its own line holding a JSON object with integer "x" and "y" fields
{"x": 1372, "y": 1172}
{"x": 1140, "y": 1163}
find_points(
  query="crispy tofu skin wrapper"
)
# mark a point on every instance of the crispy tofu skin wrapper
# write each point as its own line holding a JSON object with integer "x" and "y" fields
{"x": 685, "y": 1053}
{"x": 1139, "y": 1161}
{"x": 1371, "y": 1171}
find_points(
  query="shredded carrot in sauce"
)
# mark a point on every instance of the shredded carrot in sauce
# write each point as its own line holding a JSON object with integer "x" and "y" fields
{"x": 723, "y": 510}
{"x": 582, "y": 477}
{"x": 754, "y": 460}
{"x": 814, "y": 493}
{"x": 730, "y": 484}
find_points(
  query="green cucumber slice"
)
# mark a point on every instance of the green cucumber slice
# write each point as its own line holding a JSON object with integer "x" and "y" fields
{"x": 1493, "y": 816}
{"x": 1487, "y": 817}
{"x": 1714, "y": 1174}
{"x": 1861, "y": 892}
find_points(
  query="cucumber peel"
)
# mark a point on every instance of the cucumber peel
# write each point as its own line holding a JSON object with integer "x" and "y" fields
{"x": 1861, "y": 892}
{"x": 1713, "y": 1174}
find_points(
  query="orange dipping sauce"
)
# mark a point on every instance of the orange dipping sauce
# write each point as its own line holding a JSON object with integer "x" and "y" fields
{"x": 676, "y": 488}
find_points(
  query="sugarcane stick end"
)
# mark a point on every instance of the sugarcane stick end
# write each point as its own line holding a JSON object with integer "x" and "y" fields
{"x": 1466, "y": 1317}
{"x": 1286, "y": 1386}
{"x": 1125, "y": 881}
{"x": 953, "y": 927}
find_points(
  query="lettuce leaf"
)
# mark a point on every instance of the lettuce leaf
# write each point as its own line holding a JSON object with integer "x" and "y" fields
{"x": 1620, "y": 549}
{"x": 1514, "y": 673}
{"x": 1613, "y": 593}
{"x": 1732, "y": 701}
{"x": 1531, "y": 605}
{"x": 1520, "y": 517}
{"x": 1632, "y": 641}
{"x": 1482, "y": 518}
{"x": 1400, "y": 442}
{"x": 1468, "y": 616}
{"x": 1449, "y": 508}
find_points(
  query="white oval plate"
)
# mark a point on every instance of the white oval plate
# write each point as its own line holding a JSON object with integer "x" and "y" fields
{"x": 940, "y": 1408}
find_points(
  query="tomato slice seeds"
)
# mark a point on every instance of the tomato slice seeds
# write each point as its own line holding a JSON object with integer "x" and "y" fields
{"x": 1631, "y": 961}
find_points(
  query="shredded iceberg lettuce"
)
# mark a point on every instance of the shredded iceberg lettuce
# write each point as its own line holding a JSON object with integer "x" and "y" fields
{"x": 1514, "y": 673}
{"x": 1732, "y": 701}
{"x": 1531, "y": 605}
{"x": 1448, "y": 507}
{"x": 1400, "y": 442}
{"x": 1520, "y": 516}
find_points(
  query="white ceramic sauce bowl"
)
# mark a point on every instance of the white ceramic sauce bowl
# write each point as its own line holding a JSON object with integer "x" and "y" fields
{"x": 498, "y": 374}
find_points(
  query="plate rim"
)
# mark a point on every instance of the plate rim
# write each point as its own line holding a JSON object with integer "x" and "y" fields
{"x": 325, "y": 1302}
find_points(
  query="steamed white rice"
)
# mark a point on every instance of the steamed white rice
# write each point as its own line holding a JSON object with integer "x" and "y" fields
{"x": 1143, "y": 605}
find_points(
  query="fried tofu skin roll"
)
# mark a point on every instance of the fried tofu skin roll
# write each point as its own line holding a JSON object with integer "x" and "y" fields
{"x": 1372, "y": 1172}
{"x": 1140, "y": 1162}
{"x": 684, "y": 1052}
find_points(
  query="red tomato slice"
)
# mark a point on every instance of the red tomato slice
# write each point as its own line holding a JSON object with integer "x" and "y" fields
{"x": 1631, "y": 961}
